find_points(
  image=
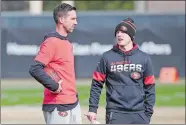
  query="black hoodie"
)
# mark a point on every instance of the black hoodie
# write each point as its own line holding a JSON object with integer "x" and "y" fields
{"x": 129, "y": 81}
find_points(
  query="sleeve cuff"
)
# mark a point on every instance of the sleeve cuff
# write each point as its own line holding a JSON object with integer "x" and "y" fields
{"x": 148, "y": 114}
{"x": 54, "y": 87}
{"x": 93, "y": 109}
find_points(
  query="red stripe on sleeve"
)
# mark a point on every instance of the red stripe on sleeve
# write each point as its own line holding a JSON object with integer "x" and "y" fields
{"x": 149, "y": 80}
{"x": 98, "y": 76}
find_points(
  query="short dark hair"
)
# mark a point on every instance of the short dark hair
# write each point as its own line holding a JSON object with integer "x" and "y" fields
{"x": 62, "y": 10}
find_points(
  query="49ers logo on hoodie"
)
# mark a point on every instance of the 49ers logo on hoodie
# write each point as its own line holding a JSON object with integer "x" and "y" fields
{"x": 126, "y": 67}
{"x": 135, "y": 75}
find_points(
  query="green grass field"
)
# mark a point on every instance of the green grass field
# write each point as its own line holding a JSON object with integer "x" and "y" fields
{"x": 166, "y": 95}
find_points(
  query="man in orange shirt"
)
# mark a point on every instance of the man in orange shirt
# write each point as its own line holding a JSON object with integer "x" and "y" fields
{"x": 60, "y": 103}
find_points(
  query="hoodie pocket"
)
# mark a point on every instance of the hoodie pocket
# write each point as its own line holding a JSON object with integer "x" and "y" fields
{"x": 109, "y": 116}
{"x": 129, "y": 97}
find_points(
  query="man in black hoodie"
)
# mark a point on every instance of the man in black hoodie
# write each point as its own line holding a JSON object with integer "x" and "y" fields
{"x": 129, "y": 79}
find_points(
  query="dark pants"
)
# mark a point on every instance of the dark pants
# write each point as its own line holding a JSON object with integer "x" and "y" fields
{"x": 126, "y": 118}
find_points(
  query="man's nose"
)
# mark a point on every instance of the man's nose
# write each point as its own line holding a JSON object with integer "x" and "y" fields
{"x": 76, "y": 22}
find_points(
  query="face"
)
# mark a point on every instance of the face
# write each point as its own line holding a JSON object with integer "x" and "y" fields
{"x": 70, "y": 21}
{"x": 122, "y": 38}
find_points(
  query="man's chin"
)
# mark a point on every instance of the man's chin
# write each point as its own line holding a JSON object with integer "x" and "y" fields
{"x": 120, "y": 44}
{"x": 70, "y": 31}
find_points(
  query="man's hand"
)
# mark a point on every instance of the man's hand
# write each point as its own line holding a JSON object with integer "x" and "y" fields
{"x": 91, "y": 117}
{"x": 59, "y": 88}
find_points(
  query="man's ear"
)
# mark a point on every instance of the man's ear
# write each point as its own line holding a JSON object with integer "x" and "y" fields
{"x": 61, "y": 20}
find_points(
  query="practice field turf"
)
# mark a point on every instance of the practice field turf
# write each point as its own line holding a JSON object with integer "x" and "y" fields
{"x": 166, "y": 95}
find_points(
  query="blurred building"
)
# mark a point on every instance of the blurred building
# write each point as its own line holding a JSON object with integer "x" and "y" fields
{"x": 165, "y": 6}
{"x": 14, "y": 5}
{"x": 140, "y": 6}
